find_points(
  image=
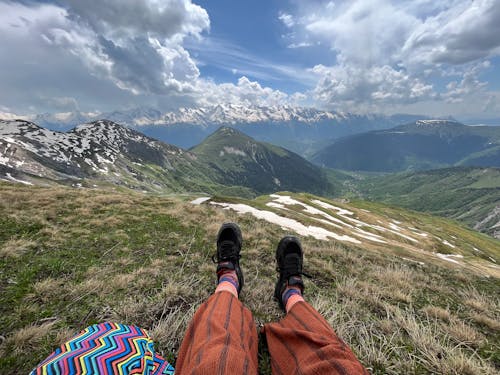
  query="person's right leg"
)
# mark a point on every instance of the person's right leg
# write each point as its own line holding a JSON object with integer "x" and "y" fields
{"x": 303, "y": 342}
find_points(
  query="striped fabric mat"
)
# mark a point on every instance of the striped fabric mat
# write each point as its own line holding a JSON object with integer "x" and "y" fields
{"x": 106, "y": 348}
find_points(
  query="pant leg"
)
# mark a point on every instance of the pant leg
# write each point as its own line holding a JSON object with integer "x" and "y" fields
{"x": 221, "y": 339}
{"x": 304, "y": 343}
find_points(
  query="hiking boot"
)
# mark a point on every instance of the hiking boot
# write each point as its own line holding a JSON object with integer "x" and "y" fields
{"x": 289, "y": 259}
{"x": 229, "y": 240}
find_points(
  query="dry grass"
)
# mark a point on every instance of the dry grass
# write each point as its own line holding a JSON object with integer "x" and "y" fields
{"x": 16, "y": 248}
{"x": 475, "y": 299}
{"x": 145, "y": 260}
{"x": 437, "y": 313}
{"x": 493, "y": 324}
{"x": 464, "y": 334}
{"x": 27, "y": 338}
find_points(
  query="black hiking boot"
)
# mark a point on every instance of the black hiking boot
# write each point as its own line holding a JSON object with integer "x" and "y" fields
{"x": 289, "y": 259}
{"x": 229, "y": 240}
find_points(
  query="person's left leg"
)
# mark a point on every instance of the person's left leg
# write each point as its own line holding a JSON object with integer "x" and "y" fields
{"x": 222, "y": 337}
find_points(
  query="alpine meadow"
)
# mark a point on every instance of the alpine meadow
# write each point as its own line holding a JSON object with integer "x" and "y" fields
{"x": 249, "y": 187}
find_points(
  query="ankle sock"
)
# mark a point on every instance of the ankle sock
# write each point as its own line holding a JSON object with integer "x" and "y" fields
{"x": 228, "y": 281}
{"x": 291, "y": 296}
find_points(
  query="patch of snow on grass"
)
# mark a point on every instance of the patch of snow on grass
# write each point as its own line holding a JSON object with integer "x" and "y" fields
{"x": 287, "y": 200}
{"x": 333, "y": 221}
{"x": 449, "y": 257}
{"x": 287, "y": 223}
{"x": 234, "y": 151}
{"x": 341, "y": 211}
{"x": 8, "y": 175}
{"x": 200, "y": 200}
{"x": 448, "y": 244}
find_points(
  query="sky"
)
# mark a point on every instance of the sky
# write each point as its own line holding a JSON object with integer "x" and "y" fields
{"x": 435, "y": 58}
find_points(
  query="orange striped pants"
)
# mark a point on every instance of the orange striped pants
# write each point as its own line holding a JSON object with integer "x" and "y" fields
{"x": 222, "y": 339}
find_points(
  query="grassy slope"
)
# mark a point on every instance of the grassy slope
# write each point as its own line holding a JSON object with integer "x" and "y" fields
{"x": 465, "y": 194}
{"x": 70, "y": 258}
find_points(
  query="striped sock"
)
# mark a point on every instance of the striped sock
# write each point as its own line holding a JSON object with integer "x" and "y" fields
{"x": 228, "y": 281}
{"x": 291, "y": 296}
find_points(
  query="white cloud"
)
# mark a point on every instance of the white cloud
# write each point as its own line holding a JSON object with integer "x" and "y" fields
{"x": 463, "y": 33}
{"x": 362, "y": 32}
{"x": 300, "y": 45}
{"x": 287, "y": 19}
{"x": 469, "y": 85}
{"x": 367, "y": 89}
{"x": 135, "y": 44}
{"x": 122, "y": 19}
{"x": 134, "y": 48}
{"x": 388, "y": 52}
{"x": 245, "y": 92}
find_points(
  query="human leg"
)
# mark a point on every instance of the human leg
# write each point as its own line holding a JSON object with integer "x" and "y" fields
{"x": 222, "y": 338}
{"x": 303, "y": 342}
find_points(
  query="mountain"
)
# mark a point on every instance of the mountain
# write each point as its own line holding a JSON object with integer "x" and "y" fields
{"x": 262, "y": 167}
{"x": 103, "y": 152}
{"x": 97, "y": 152}
{"x": 303, "y": 130}
{"x": 424, "y": 144}
{"x": 470, "y": 195}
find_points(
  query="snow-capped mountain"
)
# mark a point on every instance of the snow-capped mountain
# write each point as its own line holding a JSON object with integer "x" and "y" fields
{"x": 296, "y": 128}
{"x": 103, "y": 152}
{"x": 99, "y": 150}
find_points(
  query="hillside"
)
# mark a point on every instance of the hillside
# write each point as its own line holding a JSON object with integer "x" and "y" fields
{"x": 262, "y": 167}
{"x": 411, "y": 293}
{"x": 469, "y": 195}
{"x": 425, "y": 144}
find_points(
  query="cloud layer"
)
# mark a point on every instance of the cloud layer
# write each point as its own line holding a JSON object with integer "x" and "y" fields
{"x": 376, "y": 56}
{"x": 133, "y": 48}
{"x": 389, "y": 53}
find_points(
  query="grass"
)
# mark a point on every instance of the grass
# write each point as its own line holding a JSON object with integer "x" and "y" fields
{"x": 70, "y": 258}
{"x": 467, "y": 194}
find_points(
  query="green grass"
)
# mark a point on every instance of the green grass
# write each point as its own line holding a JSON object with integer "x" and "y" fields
{"x": 70, "y": 258}
{"x": 466, "y": 194}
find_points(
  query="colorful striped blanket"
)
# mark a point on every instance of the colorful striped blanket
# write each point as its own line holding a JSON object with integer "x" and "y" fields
{"x": 106, "y": 348}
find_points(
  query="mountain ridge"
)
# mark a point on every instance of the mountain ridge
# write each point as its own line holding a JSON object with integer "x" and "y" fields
{"x": 259, "y": 165}
{"x": 300, "y": 129}
{"x": 424, "y": 144}
{"x": 106, "y": 152}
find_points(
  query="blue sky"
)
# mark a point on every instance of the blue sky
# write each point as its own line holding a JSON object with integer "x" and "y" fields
{"x": 363, "y": 56}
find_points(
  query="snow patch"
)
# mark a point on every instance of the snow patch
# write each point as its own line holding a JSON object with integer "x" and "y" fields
{"x": 234, "y": 151}
{"x": 449, "y": 257}
{"x": 340, "y": 211}
{"x": 286, "y": 223}
{"x": 448, "y": 244}
{"x": 200, "y": 200}
{"x": 9, "y": 176}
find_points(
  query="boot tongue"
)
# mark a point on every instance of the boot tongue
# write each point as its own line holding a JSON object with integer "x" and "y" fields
{"x": 227, "y": 249}
{"x": 292, "y": 265}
